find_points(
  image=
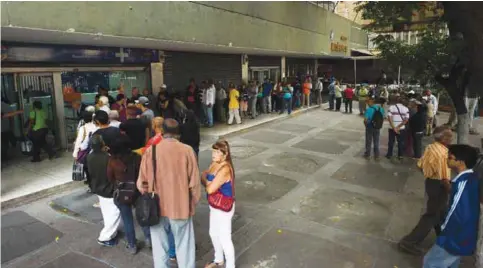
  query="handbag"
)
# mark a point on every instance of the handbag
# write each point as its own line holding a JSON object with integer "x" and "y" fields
{"x": 147, "y": 205}
{"x": 78, "y": 171}
{"x": 220, "y": 201}
{"x": 126, "y": 191}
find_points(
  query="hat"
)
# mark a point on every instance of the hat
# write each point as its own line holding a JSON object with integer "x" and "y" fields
{"x": 142, "y": 100}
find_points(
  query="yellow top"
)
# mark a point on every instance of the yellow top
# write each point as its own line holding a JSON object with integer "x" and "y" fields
{"x": 434, "y": 162}
{"x": 234, "y": 95}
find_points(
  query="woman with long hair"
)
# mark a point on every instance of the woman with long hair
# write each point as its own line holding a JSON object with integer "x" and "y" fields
{"x": 219, "y": 181}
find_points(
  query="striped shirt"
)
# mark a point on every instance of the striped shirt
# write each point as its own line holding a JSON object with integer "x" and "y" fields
{"x": 434, "y": 162}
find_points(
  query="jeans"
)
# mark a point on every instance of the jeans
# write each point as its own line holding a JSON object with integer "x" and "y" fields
{"x": 434, "y": 215}
{"x": 39, "y": 141}
{"x": 203, "y": 114}
{"x": 400, "y": 142}
{"x": 252, "y": 103}
{"x": 372, "y": 137}
{"x": 209, "y": 115}
{"x": 267, "y": 104}
{"x": 287, "y": 105}
{"x": 362, "y": 105}
{"x": 348, "y": 105}
{"x": 437, "y": 257}
{"x": 128, "y": 222}
{"x": 331, "y": 101}
{"x": 184, "y": 239}
{"x": 338, "y": 102}
{"x": 417, "y": 143}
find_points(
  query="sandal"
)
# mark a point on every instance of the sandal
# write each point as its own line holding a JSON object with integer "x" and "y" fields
{"x": 214, "y": 264}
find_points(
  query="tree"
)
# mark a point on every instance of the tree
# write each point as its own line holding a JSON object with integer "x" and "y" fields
{"x": 447, "y": 59}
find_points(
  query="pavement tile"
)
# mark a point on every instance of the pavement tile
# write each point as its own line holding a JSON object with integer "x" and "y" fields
{"x": 72, "y": 259}
{"x": 262, "y": 188}
{"x": 268, "y": 137}
{"x": 340, "y": 135}
{"x": 294, "y": 162}
{"x": 322, "y": 146}
{"x": 295, "y": 128}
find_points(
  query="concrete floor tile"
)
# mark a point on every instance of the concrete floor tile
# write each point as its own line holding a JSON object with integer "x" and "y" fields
{"x": 322, "y": 146}
{"x": 262, "y": 188}
{"x": 293, "y": 162}
{"x": 296, "y": 128}
{"x": 268, "y": 137}
{"x": 72, "y": 259}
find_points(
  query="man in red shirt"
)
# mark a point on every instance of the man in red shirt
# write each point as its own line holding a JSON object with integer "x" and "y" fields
{"x": 348, "y": 95}
{"x": 157, "y": 125}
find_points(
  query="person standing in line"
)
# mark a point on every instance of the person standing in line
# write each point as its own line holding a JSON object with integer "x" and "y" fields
{"x": 120, "y": 107}
{"x": 123, "y": 167}
{"x": 348, "y": 96}
{"x": 210, "y": 102}
{"x": 362, "y": 95}
{"x": 373, "y": 121}
{"x": 220, "y": 103}
{"x": 429, "y": 116}
{"x": 177, "y": 183}
{"x": 319, "y": 87}
{"x": 234, "y": 105}
{"x": 220, "y": 178}
{"x": 398, "y": 116}
{"x": 151, "y": 99}
{"x": 307, "y": 88}
{"x": 416, "y": 126}
{"x": 287, "y": 99}
{"x": 434, "y": 165}
{"x": 114, "y": 119}
{"x": 332, "y": 95}
{"x": 134, "y": 95}
{"x": 252, "y": 99}
{"x": 459, "y": 231}
{"x": 147, "y": 114}
{"x": 244, "y": 100}
{"x": 38, "y": 131}
{"x": 338, "y": 96}
{"x": 267, "y": 96}
{"x": 191, "y": 96}
{"x": 97, "y": 162}
{"x": 135, "y": 129}
{"x": 275, "y": 97}
{"x": 296, "y": 96}
{"x": 434, "y": 101}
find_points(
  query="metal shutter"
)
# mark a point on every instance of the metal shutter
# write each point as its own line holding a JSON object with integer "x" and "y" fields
{"x": 180, "y": 67}
{"x": 264, "y": 61}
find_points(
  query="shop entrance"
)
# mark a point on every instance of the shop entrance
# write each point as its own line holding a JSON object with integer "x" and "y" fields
{"x": 260, "y": 74}
{"x": 19, "y": 92}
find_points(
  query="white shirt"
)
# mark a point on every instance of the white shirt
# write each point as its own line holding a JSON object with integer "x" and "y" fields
{"x": 82, "y": 139}
{"x": 115, "y": 123}
{"x": 210, "y": 95}
{"x": 434, "y": 101}
{"x": 398, "y": 113}
{"x": 105, "y": 108}
{"x": 319, "y": 86}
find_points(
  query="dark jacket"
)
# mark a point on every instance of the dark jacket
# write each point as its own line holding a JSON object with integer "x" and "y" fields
{"x": 417, "y": 121}
{"x": 97, "y": 166}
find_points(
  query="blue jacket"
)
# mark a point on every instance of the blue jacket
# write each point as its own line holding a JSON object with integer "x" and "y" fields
{"x": 459, "y": 232}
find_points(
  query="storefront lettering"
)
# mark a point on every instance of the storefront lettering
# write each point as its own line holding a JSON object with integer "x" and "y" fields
{"x": 343, "y": 38}
{"x": 338, "y": 47}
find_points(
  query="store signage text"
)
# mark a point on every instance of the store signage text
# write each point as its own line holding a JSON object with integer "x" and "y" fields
{"x": 343, "y": 38}
{"x": 338, "y": 47}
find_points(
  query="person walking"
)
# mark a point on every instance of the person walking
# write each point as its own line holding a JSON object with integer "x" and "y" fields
{"x": 234, "y": 105}
{"x": 38, "y": 131}
{"x": 348, "y": 96}
{"x": 338, "y": 96}
{"x": 219, "y": 180}
{"x": 123, "y": 169}
{"x": 97, "y": 162}
{"x": 373, "y": 122}
{"x": 434, "y": 165}
{"x": 459, "y": 231}
{"x": 398, "y": 116}
{"x": 177, "y": 183}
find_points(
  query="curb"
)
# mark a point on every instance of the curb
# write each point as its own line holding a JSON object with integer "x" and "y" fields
{"x": 22, "y": 200}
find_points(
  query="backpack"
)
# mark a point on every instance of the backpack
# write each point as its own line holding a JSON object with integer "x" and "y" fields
{"x": 377, "y": 118}
{"x": 126, "y": 191}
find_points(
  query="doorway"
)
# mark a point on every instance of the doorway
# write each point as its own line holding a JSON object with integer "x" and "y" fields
{"x": 260, "y": 74}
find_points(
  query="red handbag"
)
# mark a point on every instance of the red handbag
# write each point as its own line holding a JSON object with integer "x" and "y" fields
{"x": 222, "y": 202}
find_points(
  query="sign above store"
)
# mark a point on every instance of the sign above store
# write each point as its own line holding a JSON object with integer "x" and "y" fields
{"x": 72, "y": 54}
{"x": 338, "y": 47}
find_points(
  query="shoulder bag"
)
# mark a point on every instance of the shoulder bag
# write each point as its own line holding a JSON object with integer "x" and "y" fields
{"x": 147, "y": 205}
{"x": 126, "y": 191}
{"x": 220, "y": 201}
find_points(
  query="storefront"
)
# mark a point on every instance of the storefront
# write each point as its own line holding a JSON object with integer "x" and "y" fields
{"x": 261, "y": 68}
{"x": 58, "y": 75}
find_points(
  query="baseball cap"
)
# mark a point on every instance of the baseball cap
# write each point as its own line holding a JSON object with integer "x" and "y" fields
{"x": 142, "y": 100}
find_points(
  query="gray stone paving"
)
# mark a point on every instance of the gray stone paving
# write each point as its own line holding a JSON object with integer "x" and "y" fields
{"x": 305, "y": 198}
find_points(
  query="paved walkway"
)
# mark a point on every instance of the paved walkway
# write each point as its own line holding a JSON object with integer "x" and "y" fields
{"x": 305, "y": 198}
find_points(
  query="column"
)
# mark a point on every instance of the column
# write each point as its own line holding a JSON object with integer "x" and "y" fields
{"x": 58, "y": 99}
{"x": 283, "y": 67}
{"x": 316, "y": 67}
{"x": 244, "y": 67}
{"x": 157, "y": 77}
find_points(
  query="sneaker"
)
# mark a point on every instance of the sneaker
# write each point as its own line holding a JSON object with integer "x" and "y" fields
{"x": 110, "y": 243}
{"x": 97, "y": 205}
{"x": 147, "y": 243}
{"x": 132, "y": 249}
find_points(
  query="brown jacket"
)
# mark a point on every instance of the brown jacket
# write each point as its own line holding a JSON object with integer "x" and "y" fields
{"x": 177, "y": 178}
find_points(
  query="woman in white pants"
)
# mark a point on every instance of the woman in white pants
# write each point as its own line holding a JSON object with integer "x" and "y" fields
{"x": 234, "y": 105}
{"x": 97, "y": 162}
{"x": 220, "y": 186}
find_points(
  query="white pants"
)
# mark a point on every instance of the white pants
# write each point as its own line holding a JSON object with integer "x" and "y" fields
{"x": 220, "y": 233}
{"x": 111, "y": 217}
{"x": 471, "y": 104}
{"x": 234, "y": 113}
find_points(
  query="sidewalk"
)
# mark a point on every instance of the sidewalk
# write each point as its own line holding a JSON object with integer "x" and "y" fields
{"x": 305, "y": 198}
{"x": 24, "y": 180}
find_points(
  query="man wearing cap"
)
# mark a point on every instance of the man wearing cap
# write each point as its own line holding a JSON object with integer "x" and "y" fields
{"x": 151, "y": 98}
{"x": 143, "y": 104}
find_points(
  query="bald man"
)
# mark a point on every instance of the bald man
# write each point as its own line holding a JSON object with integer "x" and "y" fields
{"x": 157, "y": 125}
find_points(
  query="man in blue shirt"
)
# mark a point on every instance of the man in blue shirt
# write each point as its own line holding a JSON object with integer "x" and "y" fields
{"x": 373, "y": 119}
{"x": 459, "y": 231}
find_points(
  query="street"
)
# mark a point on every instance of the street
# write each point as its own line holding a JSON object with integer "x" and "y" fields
{"x": 305, "y": 198}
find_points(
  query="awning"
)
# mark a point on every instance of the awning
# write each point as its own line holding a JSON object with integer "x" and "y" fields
{"x": 362, "y": 51}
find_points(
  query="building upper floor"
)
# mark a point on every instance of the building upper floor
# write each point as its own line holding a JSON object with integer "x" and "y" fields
{"x": 299, "y": 29}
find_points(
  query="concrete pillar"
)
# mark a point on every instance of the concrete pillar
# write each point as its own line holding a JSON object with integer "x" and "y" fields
{"x": 244, "y": 66}
{"x": 59, "y": 109}
{"x": 316, "y": 67}
{"x": 157, "y": 77}
{"x": 283, "y": 67}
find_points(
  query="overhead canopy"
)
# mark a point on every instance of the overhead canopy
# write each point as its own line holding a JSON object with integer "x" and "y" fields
{"x": 363, "y": 52}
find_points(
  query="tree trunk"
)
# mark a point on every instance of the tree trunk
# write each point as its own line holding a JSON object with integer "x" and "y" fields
{"x": 463, "y": 128}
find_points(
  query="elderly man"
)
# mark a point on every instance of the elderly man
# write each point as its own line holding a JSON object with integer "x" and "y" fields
{"x": 176, "y": 180}
{"x": 434, "y": 165}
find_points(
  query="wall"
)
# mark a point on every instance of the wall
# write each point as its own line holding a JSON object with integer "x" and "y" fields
{"x": 283, "y": 26}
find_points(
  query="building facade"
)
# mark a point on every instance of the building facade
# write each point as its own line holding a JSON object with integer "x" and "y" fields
{"x": 68, "y": 50}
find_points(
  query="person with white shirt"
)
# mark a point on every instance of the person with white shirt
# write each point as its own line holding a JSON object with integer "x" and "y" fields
{"x": 398, "y": 116}
{"x": 209, "y": 102}
{"x": 318, "y": 90}
{"x": 84, "y": 134}
{"x": 103, "y": 104}
{"x": 434, "y": 101}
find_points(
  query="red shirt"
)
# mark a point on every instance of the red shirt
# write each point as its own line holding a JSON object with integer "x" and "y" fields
{"x": 348, "y": 93}
{"x": 153, "y": 141}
